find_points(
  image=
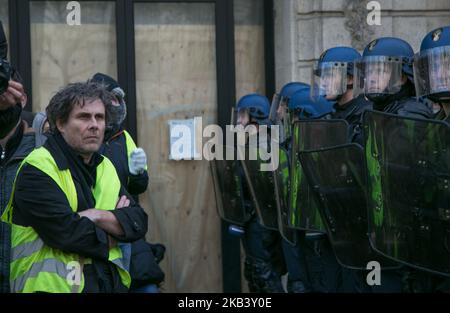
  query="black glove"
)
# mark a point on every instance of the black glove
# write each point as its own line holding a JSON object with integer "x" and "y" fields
{"x": 158, "y": 251}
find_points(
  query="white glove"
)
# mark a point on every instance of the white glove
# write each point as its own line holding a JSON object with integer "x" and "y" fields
{"x": 138, "y": 161}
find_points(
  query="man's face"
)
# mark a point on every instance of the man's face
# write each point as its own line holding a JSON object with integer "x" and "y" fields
{"x": 85, "y": 128}
{"x": 378, "y": 77}
{"x": 282, "y": 110}
{"x": 331, "y": 84}
{"x": 243, "y": 118}
{"x": 440, "y": 72}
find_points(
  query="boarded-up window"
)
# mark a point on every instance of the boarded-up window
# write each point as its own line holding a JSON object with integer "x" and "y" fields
{"x": 62, "y": 54}
{"x": 250, "y": 65}
{"x": 249, "y": 47}
{"x": 176, "y": 79}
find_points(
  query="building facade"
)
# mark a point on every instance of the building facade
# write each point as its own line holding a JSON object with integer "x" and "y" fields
{"x": 179, "y": 60}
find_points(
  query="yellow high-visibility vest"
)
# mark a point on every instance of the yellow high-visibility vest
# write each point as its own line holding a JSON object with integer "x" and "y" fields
{"x": 36, "y": 267}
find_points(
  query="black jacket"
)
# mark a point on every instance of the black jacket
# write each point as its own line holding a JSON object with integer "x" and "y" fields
{"x": 41, "y": 204}
{"x": 404, "y": 104}
{"x": 18, "y": 147}
{"x": 115, "y": 148}
{"x": 441, "y": 116}
{"x": 409, "y": 107}
{"x": 352, "y": 112}
{"x": 144, "y": 269}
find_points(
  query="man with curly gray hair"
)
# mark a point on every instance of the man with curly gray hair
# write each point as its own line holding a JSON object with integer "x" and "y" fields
{"x": 69, "y": 211}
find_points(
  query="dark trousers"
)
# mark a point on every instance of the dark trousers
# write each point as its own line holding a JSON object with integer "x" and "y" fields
{"x": 312, "y": 261}
{"x": 295, "y": 258}
{"x": 264, "y": 263}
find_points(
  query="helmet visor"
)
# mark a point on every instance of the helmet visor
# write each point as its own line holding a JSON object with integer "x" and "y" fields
{"x": 432, "y": 71}
{"x": 279, "y": 115}
{"x": 329, "y": 79}
{"x": 241, "y": 117}
{"x": 378, "y": 75}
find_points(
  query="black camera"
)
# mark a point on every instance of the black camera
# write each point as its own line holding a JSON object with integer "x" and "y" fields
{"x": 5, "y": 67}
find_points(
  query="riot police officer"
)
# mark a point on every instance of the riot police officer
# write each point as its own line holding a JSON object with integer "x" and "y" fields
{"x": 311, "y": 263}
{"x": 432, "y": 76}
{"x": 432, "y": 70}
{"x": 385, "y": 76}
{"x": 279, "y": 111}
{"x": 264, "y": 264}
{"x": 333, "y": 79}
{"x": 298, "y": 281}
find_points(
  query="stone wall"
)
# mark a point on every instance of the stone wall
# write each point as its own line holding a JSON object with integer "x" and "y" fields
{"x": 305, "y": 28}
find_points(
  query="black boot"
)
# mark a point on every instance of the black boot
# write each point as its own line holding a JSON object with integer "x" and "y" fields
{"x": 297, "y": 286}
{"x": 249, "y": 270}
{"x": 268, "y": 280}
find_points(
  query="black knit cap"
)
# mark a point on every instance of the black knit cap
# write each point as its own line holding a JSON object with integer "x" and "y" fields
{"x": 108, "y": 81}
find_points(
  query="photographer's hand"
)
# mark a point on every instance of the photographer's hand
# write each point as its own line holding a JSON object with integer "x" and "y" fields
{"x": 12, "y": 96}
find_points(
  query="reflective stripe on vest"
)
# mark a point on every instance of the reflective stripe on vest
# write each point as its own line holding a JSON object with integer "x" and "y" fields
{"x": 38, "y": 267}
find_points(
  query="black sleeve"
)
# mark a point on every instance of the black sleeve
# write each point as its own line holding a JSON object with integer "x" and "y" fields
{"x": 133, "y": 219}
{"x": 41, "y": 204}
{"x": 137, "y": 184}
{"x": 416, "y": 110}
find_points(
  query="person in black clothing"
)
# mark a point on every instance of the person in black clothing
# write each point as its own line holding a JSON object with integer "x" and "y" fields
{"x": 432, "y": 71}
{"x": 431, "y": 67}
{"x": 385, "y": 76}
{"x": 119, "y": 147}
{"x": 310, "y": 260}
{"x": 334, "y": 79}
{"x": 334, "y": 73}
{"x": 131, "y": 165}
{"x": 14, "y": 147}
{"x": 10, "y": 107}
{"x": 77, "y": 120}
{"x": 264, "y": 262}
{"x": 26, "y": 116}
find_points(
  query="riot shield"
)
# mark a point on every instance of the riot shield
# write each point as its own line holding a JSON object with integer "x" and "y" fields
{"x": 310, "y": 135}
{"x": 337, "y": 179}
{"x": 282, "y": 190}
{"x": 408, "y": 164}
{"x": 261, "y": 183}
{"x": 279, "y": 115}
{"x": 228, "y": 184}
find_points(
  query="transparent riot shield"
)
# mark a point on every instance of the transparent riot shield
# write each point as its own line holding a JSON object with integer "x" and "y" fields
{"x": 408, "y": 164}
{"x": 261, "y": 182}
{"x": 337, "y": 179}
{"x": 282, "y": 190}
{"x": 279, "y": 115}
{"x": 228, "y": 180}
{"x": 310, "y": 135}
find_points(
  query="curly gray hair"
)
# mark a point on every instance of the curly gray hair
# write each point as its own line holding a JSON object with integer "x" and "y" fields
{"x": 62, "y": 104}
